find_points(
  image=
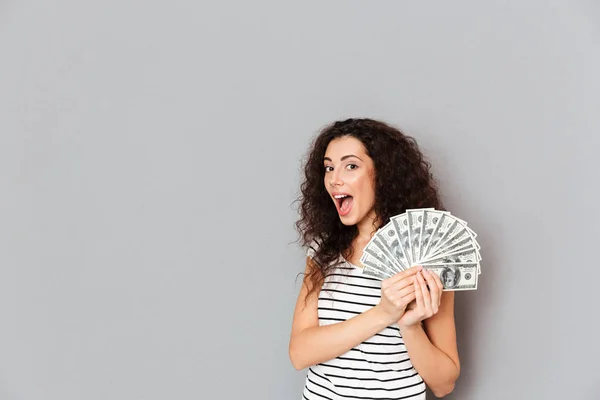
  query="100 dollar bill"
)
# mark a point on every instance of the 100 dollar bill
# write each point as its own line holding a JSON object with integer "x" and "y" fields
{"x": 455, "y": 276}
{"x": 375, "y": 268}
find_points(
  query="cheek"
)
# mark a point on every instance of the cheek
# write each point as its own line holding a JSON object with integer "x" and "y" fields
{"x": 367, "y": 189}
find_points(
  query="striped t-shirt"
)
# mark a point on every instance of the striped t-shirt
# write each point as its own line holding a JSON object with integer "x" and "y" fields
{"x": 379, "y": 367}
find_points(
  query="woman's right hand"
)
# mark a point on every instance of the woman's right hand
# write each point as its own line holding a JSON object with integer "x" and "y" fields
{"x": 397, "y": 292}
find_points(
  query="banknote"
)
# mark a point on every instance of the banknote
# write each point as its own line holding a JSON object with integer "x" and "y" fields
{"x": 372, "y": 263}
{"x": 389, "y": 239}
{"x": 460, "y": 240}
{"x": 435, "y": 239}
{"x": 467, "y": 252}
{"x": 461, "y": 256}
{"x": 466, "y": 226}
{"x": 455, "y": 228}
{"x": 400, "y": 224}
{"x": 431, "y": 218}
{"x": 374, "y": 273}
{"x": 377, "y": 250}
{"x": 440, "y": 231}
{"x": 456, "y": 276}
{"x": 372, "y": 266}
{"x": 415, "y": 220}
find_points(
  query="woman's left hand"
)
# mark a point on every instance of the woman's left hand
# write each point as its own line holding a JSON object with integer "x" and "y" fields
{"x": 427, "y": 301}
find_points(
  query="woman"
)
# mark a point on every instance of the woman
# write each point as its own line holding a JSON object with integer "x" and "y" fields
{"x": 362, "y": 338}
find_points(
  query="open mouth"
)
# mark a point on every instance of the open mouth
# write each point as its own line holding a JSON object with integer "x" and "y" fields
{"x": 344, "y": 203}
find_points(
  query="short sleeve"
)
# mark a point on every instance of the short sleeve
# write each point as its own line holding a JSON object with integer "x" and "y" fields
{"x": 312, "y": 248}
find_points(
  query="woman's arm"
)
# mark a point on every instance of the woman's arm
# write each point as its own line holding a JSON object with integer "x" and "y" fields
{"x": 311, "y": 344}
{"x": 432, "y": 345}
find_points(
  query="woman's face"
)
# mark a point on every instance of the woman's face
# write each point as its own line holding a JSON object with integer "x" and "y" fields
{"x": 349, "y": 179}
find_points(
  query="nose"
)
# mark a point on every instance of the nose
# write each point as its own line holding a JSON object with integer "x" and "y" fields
{"x": 335, "y": 180}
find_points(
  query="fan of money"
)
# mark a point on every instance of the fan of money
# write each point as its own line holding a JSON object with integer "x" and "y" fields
{"x": 434, "y": 239}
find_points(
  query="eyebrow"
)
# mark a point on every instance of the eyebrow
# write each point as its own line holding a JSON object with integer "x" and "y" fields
{"x": 343, "y": 158}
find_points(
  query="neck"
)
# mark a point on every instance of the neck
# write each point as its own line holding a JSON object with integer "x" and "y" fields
{"x": 367, "y": 227}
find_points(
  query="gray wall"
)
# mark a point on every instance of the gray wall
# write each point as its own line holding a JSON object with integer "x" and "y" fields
{"x": 150, "y": 154}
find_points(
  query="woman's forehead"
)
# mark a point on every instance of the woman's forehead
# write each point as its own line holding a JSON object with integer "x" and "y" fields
{"x": 344, "y": 146}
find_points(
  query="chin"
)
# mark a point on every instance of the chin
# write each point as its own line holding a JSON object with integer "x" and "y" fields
{"x": 348, "y": 220}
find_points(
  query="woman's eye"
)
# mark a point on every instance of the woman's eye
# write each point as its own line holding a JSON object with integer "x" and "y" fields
{"x": 328, "y": 168}
{"x": 352, "y": 166}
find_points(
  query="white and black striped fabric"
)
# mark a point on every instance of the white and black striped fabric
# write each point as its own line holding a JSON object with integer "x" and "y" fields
{"x": 379, "y": 367}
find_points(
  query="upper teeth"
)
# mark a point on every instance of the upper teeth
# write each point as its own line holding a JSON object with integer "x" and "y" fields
{"x": 340, "y": 196}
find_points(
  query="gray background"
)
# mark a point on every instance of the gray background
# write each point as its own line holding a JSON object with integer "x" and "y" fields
{"x": 150, "y": 155}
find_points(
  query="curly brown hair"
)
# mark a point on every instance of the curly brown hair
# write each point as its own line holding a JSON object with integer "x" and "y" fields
{"x": 402, "y": 181}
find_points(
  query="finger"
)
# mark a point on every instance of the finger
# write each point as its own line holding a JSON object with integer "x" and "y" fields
{"x": 399, "y": 294}
{"x": 391, "y": 287}
{"x": 438, "y": 280}
{"x": 404, "y": 278}
{"x": 403, "y": 283}
{"x": 406, "y": 291}
{"x": 439, "y": 283}
{"x": 418, "y": 294}
{"x": 405, "y": 274}
{"x": 425, "y": 291}
{"x": 409, "y": 297}
{"x": 434, "y": 290}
